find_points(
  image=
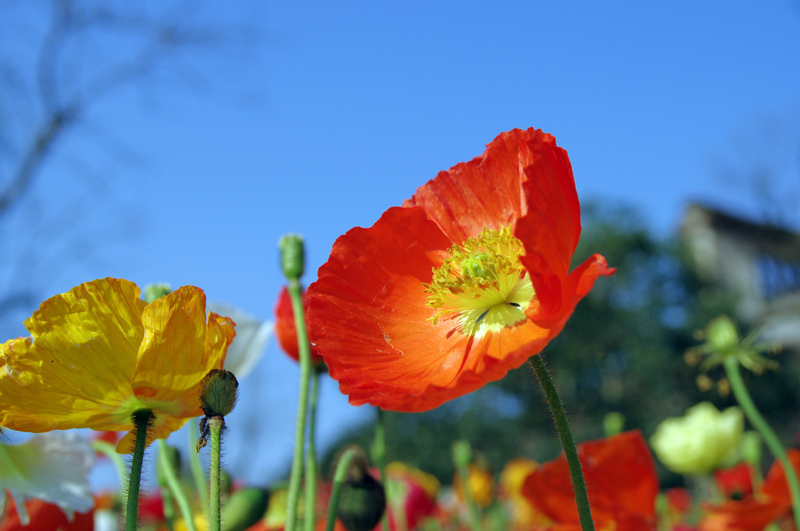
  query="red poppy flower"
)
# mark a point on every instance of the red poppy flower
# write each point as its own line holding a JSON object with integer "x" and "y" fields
{"x": 735, "y": 482}
{"x": 45, "y": 516}
{"x": 753, "y": 514}
{"x": 621, "y": 481}
{"x": 464, "y": 282}
{"x": 286, "y": 330}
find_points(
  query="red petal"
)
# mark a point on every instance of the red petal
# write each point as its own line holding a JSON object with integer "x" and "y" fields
{"x": 620, "y": 477}
{"x": 484, "y": 192}
{"x": 369, "y": 321}
{"x": 285, "y": 327}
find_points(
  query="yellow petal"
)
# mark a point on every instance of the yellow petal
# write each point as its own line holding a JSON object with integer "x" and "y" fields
{"x": 79, "y": 364}
{"x": 174, "y": 357}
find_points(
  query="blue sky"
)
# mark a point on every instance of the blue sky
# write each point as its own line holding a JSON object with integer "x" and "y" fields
{"x": 338, "y": 111}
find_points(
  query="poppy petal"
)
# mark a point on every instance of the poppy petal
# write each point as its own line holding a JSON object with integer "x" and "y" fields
{"x": 484, "y": 192}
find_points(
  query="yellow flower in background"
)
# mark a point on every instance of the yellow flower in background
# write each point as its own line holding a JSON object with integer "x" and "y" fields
{"x": 700, "y": 441}
{"x": 98, "y": 353}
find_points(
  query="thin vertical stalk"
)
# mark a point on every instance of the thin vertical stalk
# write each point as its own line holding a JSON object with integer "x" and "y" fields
{"x": 311, "y": 458}
{"x": 141, "y": 422}
{"x": 174, "y": 486}
{"x": 567, "y": 441}
{"x": 215, "y": 425}
{"x": 770, "y": 437}
{"x": 475, "y": 515}
{"x": 296, "y": 294}
{"x": 380, "y": 456}
{"x": 339, "y": 478}
{"x": 198, "y": 474}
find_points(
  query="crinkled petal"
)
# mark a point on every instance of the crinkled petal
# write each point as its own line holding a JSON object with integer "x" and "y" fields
{"x": 550, "y": 231}
{"x": 369, "y": 320}
{"x": 79, "y": 362}
{"x": 179, "y": 348}
{"x": 484, "y": 192}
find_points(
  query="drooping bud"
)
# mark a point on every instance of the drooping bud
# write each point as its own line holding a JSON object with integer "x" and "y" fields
{"x": 219, "y": 393}
{"x": 363, "y": 500}
{"x": 244, "y": 508}
{"x": 156, "y": 291}
{"x": 293, "y": 256}
{"x": 462, "y": 453}
{"x": 613, "y": 423}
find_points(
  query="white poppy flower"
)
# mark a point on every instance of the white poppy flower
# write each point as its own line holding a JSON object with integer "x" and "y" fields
{"x": 51, "y": 466}
{"x": 250, "y": 342}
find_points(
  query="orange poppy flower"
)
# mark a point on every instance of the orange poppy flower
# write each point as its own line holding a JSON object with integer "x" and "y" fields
{"x": 286, "y": 330}
{"x": 621, "y": 481}
{"x": 464, "y": 282}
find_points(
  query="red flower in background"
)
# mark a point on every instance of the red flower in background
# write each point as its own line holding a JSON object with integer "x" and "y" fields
{"x": 735, "y": 482}
{"x": 621, "y": 480}
{"x": 45, "y": 516}
{"x": 464, "y": 282}
{"x": 286, "y": 330}
{"x": 754, "y": 514}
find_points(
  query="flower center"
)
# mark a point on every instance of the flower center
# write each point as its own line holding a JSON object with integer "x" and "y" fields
{"x": 483, "y": 283}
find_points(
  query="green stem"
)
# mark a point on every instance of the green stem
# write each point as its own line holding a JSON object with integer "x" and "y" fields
{"x": 770, "y": 438}
{"x": 567, "y": 441}
{"x": 380, "y": 456}
{"x": 167, "y": 499}
{"x": 296, "y": 294}
{"x": 475, "y": 515}
{"x": 141, "y": 423}
{"x": 198, "y": 474}
{"x": 215, "y": 425}
{"x": 311, "y": 458}
{"x": 109, "y": 450}
{"x": 174, "y": 485}
{"x": 339, "y": 478}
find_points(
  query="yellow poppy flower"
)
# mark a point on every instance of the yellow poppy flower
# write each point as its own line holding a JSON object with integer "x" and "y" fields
{"x": 98, "y": 353}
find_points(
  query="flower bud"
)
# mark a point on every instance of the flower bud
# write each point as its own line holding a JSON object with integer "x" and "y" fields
{"x": 219, "y": 393}
{"x": 293, "y": 256}
{"x": 700, "y": 441}
{"x": 462, "y": 454}
{"x": 361, "y": 503}
{"x": 722, "y": 335}
{"x": 244, "y": 508}
{"x": 156, "y": 291}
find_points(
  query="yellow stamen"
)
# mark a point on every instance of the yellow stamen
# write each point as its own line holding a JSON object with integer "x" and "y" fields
{"x": 483, "y": 282}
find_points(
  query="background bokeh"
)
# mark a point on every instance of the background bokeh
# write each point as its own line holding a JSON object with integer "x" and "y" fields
{"x": 193, "y": 135}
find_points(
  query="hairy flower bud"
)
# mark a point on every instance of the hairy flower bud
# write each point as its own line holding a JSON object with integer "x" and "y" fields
{"x": 293, "y": 256}
{"x": 219, "y": 393}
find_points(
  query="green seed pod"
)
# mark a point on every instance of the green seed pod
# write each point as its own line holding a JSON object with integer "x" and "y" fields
{"x": 219, "y": 393}
{"x": 244, "y": 508}
{"x": 723, "y": 336}
{"x": 293, "y": 256}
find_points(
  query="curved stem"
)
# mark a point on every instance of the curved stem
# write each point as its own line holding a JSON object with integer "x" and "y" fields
{"x": 474, "y": 513}
{"x": 174, "y": 485}
{"x": 215, "y": 425}
{"x": 141, "y": 423}
{"x": 296, "y": 294}
{"x": 198, "y": 474}
{"x": 567, "y": 441}
{"x": 770, "y": 437}
{"x": 339, "y": 478}
{"x": 311, "y": 458}
{"x": 380, "y": 456}
{"x": 109, "y": 450}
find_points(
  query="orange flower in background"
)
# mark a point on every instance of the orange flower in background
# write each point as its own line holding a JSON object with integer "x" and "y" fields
{"x": 98, "y": 353}
{"x": 286, "y": 330}
{"x": 464, "y": 282}
{"x": 621, "y": 481}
